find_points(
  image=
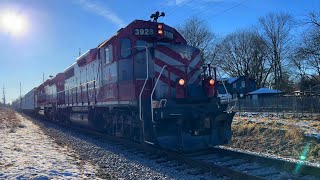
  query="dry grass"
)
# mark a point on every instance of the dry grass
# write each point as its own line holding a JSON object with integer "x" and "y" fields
{"x": 315, "y": 150}
{"x": 8, "y": 119}
{"x": 315, "y": 125}
{"x": 294, "y": 134}
{"x": 286, "y": 141}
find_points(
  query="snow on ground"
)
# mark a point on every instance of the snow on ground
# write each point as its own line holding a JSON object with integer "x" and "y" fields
{"x": 27, "y": 153}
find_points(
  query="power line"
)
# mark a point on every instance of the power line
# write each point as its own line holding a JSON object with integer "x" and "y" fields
{"x": 223, "y": 11}
{"x": 230, "y": 8}
{"x": 172, "y": 10}
{"x": 205, "y": 9}
{"x": 168, "y": 11}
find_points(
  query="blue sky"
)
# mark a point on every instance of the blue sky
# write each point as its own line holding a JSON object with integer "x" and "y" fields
{"x": 56, "y": 29}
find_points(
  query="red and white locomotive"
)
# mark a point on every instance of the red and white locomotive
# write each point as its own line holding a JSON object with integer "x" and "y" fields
{"x": 144, "y": 83}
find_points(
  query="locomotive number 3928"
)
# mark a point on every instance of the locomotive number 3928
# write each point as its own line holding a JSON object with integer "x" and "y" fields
{"x": 143, "y": 32}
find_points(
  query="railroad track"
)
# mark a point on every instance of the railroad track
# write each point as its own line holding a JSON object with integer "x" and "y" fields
{"x": 257, "y": 166}
{"x": 221, "y": 163}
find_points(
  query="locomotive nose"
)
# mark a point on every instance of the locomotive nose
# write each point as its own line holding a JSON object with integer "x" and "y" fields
{"x": 183, "y": 63}
{"x": 177, "y": 54}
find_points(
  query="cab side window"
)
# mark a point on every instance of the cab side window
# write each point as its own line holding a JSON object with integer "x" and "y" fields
{"x": 108, "y": 54}
{"x": 125, "y": 48}
{"x": 140, "y": 47}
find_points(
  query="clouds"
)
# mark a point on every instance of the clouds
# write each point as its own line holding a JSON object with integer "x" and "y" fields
{"x": 100, "y": 10}
{"x": 179, "y": 2}
{"x": 175, "y": 2}
{"x": 191, "y": 3}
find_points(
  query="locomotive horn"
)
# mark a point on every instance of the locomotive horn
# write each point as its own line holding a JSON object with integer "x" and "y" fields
{"x": 156, "y": 15}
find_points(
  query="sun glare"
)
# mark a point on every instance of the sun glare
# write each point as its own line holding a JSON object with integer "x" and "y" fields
{"x": 13, "y": 23}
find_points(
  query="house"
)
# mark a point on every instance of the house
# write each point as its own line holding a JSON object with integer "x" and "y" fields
{"x": 263, "y": 93}
{"x": 238, "y": 87}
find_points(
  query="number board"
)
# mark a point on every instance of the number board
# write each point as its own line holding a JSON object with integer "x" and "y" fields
{"x": 168, "y": 34}
{"x": 143, "y": 32}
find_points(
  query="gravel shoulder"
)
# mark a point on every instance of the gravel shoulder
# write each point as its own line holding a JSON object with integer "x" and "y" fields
{"x": 27, "y": 153}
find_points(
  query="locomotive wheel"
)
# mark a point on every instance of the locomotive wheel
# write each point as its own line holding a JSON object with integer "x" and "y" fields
{"x": 63, "y": 116}
{"x": 97, "y": 119}
{"x": 67, "y": 116}
{"x": 127, "y": 126}
{"x": 114, "y": 125}
{"x": 54, "y": 114}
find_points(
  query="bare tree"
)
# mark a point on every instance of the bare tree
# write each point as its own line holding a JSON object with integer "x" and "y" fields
{"x": 198, "y": 34}
{"x": 314, "y": 18}
{"x": 309, "y": 50}
{"x": 306, "y": 57}
{"x": 299, "y": 64}
{"x": 244, "y": 53}
{"x": 276, "y": 30}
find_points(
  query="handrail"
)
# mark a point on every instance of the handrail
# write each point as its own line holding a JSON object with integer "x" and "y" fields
{"x": 154, "y": 87}
{"x": 228, "y": 100}
{"x": 165, "y": 102}
{"x": 145, "y": 81}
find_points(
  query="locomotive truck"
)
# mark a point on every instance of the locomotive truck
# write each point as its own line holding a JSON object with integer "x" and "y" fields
{"x": 145, "y": 84}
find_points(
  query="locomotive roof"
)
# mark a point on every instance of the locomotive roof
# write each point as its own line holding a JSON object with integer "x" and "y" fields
{"x": 121, "y": 30}
{"x": 75, "y": 62}
{"x": 105, "y": 41}
{"x": 83, "y": 57}
{"x": 135, "y": 23}
{"x": 69, "y": 67}
{"x": 51, "y": 81}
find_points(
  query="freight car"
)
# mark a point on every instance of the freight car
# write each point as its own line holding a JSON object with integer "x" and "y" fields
{"x": 27, "y": 103}
{"x": 144, "y": 83}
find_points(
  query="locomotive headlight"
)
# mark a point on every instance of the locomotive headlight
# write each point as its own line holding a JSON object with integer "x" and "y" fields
{"x": 181, "y": 82}
{"x": 211, "y": 82}
{"x": 159, "y": 26}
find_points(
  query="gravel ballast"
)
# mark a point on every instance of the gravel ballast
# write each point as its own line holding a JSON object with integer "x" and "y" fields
{"x": 113, "y": 161}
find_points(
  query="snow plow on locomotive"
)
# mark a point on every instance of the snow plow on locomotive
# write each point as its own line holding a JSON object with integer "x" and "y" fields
{"x": 145, "y": 84}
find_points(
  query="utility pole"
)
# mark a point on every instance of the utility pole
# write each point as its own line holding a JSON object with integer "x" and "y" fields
{"x": 20, "y": 97}
{"x": 20, "y": 89}
{"x": 4, "y": 96}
